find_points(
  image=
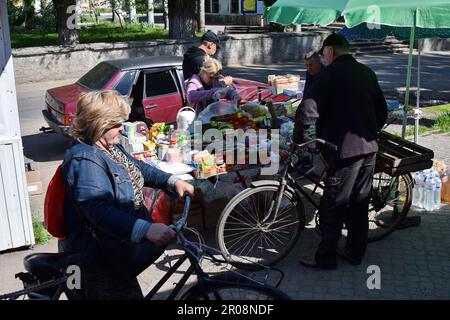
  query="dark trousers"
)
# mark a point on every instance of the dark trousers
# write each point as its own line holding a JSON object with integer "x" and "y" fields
{"x": 345, "y": 200}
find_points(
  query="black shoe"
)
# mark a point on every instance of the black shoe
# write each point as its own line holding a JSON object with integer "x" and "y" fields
{"x": 346, "y": 255}
{"x": 310, "y": 261}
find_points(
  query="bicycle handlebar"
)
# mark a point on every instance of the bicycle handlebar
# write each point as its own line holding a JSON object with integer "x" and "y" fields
{"x": 182, "y": 222}
{"x": 317, "y": 140}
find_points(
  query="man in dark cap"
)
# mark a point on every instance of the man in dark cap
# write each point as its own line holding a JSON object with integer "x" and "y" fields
{"x": 313, "y": 67}
{"x": 350, "y": 109}
{"x": 194, "y": 57}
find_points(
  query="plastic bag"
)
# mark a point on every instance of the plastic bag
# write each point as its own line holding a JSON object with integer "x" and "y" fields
{"x": 219, "y": 108}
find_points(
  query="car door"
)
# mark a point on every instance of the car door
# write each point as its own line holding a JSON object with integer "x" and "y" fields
{"x": 162, "y": 97}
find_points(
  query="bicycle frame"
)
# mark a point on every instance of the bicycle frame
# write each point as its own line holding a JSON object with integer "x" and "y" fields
{"x": 286, "y": 179}
{"x": 192, "y": 252}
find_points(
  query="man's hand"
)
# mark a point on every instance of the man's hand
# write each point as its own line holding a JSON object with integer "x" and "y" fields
{"x": 181, "y": 187}
{"x": 160, "y": 234}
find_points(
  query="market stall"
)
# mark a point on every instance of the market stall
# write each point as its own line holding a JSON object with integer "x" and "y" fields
{"x": 218, "y": 150}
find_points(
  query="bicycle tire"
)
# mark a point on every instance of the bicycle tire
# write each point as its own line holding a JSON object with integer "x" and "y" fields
{"x": 223, "y": 286}
{"x": 383, "y": 223}
{"x": 238, "y": 235}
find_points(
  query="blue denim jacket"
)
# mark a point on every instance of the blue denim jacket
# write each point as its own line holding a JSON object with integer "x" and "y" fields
{"x": 99, "y": 191}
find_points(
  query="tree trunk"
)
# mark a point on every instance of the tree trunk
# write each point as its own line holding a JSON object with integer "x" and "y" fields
{"x": 132, "y": 13}
{"x": 166, "y": 13}
{"x": 66, "y": 22}
{"x": 113, "y": 4}
{"x": 150, "y": 12}
{"x": 181, "y": 19}
{"x": 37, "y": 7}
{"x": 201, "y": 16}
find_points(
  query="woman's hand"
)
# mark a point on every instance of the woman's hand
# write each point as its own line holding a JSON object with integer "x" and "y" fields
{"x": 160, "y": 234}
{"x": 181, "y": 187}
{"x": 228, "y": 80}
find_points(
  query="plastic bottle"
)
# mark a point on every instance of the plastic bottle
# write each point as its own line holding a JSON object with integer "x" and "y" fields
{"x": 428, "y": 202}
{"x": 418, "y": 190}
{"x": 437, "y": 193}
{"x": 171, "y": 136}
{"x": 445, "y": 191}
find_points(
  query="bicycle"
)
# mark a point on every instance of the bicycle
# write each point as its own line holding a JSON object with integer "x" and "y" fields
{"x": 231, "y": 284}
{"x": 263, "y": 222}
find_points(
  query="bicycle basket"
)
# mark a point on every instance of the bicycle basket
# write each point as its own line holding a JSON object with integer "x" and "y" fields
{"x": 397, "y": 156}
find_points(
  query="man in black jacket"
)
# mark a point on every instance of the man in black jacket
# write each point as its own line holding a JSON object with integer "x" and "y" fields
{"x": 194, "y": 56}
{"x": 351, "y": 110}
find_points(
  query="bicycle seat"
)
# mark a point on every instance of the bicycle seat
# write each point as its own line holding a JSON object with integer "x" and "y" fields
{"x": 48, "y": 265}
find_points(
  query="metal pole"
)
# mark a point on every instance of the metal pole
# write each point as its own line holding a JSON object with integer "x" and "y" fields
{"x": 408, "y": 76}
{"x": 417, "y": 109}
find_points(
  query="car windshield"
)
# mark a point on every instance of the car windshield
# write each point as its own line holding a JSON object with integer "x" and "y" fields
{"x": 98, "y": 77}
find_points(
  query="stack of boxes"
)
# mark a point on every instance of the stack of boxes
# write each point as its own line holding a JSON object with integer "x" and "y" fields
{"x": 279, "y": 83}
{"x": 134, "y": 140}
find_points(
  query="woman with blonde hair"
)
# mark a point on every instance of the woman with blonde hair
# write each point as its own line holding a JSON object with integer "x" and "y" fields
{"x": 105, "y": 218}
{"x": 209, "y": 85}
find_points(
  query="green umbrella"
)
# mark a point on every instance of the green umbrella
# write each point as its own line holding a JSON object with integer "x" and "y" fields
{"x": 399, "y": 13}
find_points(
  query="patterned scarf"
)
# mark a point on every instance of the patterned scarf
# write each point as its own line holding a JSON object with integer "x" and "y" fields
{"x": 137, "y": 179}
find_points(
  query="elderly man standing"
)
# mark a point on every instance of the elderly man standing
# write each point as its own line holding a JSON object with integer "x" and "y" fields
{"x": 313, "y": 67}
{"x": 195, "y": 56}
{"x": 351, "y": 110}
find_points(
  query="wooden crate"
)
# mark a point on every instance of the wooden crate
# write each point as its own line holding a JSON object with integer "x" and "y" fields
{"x": 397, "y": 156}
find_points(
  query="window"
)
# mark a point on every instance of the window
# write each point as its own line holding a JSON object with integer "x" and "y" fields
{"x": 207, "y": 6}
{"x": 126, "y": 82}
{"x": 214, "y": 6}
{"x": 98, "y": 77}
{"x": 159, "y": 83}
{"x": 235, "y": 6}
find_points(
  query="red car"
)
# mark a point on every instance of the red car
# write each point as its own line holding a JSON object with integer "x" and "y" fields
{"x": 154, "y": 83}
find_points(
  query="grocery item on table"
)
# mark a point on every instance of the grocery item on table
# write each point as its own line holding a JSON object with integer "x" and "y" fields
{"x": 281, "y": 82}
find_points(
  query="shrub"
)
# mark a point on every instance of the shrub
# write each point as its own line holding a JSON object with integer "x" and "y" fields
{"x": 41, "y": 236}
{"x": 442, "y": 122}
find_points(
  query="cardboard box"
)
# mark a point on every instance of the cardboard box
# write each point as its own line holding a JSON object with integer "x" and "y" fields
{"x": 34, "y": 182}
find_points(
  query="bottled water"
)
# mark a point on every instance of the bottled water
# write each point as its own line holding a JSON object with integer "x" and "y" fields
{"x": 418, "y": 190}
{"x": 437, "y": 193}
{"x": 428, "y": 202}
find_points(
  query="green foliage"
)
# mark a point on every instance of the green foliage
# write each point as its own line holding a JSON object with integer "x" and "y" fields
{"x": 103, "y": 32}
{"x": 410, "y": 130}
{"x": 15, "y": 14}
{"x": 442, "y": 122}
{"x": 23, "y": 19}
{"x": 441, "y": 108}
{"x": 46, "y": 22}
{"x": 41, "y": 235}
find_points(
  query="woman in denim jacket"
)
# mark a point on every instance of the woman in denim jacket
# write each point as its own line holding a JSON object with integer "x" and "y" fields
{"x": 105, "y": 217}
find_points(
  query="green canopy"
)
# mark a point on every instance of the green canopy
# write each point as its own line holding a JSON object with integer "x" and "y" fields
{"x": 400, "y": 13}
{"x": 397, "y": 13}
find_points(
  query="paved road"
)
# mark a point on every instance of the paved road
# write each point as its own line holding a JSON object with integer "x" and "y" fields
{"x": 390, "y": 70}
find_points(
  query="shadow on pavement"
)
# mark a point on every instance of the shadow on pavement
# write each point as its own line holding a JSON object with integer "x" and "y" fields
{"x": 44, "y": 147}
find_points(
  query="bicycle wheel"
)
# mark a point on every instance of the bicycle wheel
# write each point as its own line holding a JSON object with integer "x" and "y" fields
{"x": 248, "y": 231}
{"x": 389, "y": 205}
{"x": 236, "y": 288}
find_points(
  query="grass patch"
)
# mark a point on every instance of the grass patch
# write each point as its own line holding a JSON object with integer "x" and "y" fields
{"x": 410, "y": 131}
{"x": 437, "y": 109}
{"x": 441, "y": 125}
{"x": 442, "y": 122}
{"x": 103, "y": 32}
{"x": 41, "y": 235}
